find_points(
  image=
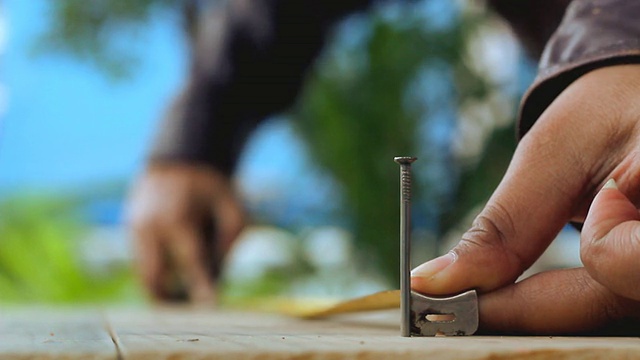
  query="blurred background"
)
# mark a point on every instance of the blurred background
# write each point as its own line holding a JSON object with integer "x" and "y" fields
{"x": 84, "y": 83}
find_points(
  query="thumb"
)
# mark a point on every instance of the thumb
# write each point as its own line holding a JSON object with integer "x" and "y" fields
{"x": 610, "y": 242}
{"x": 532, "y": 203}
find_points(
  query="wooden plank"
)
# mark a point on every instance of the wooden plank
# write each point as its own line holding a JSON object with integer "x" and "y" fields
{"x": 54, "y": 334}
{"x": 180, "y": 334}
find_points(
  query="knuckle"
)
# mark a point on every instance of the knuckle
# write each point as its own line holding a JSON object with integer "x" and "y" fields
{"x": 140, "y": 223}
{"x": 605, "y": 307}
{"x": 492, "y": 230}
{"x": 589, "y": 253}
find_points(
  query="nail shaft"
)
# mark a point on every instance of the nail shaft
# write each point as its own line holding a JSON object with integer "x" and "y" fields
{"x": 405, "y": 243}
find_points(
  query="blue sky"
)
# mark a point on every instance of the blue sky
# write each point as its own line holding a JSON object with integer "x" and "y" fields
{"x": 69, "y": 126}
{"x": 67, "y": 123}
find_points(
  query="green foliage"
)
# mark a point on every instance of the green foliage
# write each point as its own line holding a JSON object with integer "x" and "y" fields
{"x": 355, "y": 113}
{"x": 355, "y": 118}
{"x": 94, "y": 30}
{"x": 476, "y": 183}
{"x": 40, "y": 260}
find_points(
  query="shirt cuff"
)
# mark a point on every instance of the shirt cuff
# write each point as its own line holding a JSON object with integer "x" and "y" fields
{"x": 593, "y": 34}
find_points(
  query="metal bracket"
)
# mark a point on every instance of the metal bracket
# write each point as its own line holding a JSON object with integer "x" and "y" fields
{"x": 455, "y": 315}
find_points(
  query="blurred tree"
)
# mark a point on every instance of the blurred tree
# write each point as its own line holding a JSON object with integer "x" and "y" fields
{"x": 476, "y": 183}
{"x": 400, "y": 73}
{"x": 356, "y": 114}
{"x": 94, "y": 30}
{"x": 40, "y": 259}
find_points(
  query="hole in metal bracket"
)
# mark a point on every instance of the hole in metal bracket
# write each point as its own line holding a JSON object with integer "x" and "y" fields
{"x": 440, "y": 318}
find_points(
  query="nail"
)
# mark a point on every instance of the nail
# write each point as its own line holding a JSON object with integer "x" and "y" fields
{"x": 405, "y": 242}
{"x": 431, "y": 268}
{"x": 610, "y": 184}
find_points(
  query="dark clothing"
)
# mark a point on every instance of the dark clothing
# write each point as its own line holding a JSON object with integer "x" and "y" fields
{"x": 593, "y": 34}
{"x": 251, "y": 57}
{"x": 250, "y": 60}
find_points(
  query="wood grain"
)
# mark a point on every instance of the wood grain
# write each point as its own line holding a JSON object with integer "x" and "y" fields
{"x": 174, "y": 334}
{"x": 197, "y": 334}
{"x": 59, "y": 334}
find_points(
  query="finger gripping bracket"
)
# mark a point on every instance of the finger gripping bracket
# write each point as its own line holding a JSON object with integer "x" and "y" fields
{"x": 456, "y": 315}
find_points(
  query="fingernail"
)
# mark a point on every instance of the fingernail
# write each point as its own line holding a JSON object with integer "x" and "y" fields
{"x": 610, "y": 184}
{"x": 430, "y": 268}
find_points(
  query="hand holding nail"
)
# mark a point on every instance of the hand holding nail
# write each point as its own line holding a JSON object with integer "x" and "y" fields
{"x": 589, "y": 134}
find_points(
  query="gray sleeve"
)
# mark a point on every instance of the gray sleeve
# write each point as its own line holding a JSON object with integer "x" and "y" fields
{"x": 533, "y": 21}
{"x": 592, "y": 34}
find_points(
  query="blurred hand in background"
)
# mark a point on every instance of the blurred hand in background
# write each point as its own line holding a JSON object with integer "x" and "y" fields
{"x": 184, "y": 218}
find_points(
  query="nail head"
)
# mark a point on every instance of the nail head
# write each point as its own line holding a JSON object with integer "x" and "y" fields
{"x": 404, "y": 160}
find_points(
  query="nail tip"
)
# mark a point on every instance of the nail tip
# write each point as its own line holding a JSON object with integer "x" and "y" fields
{"x": 431, "y": 268}
{"x": 610, "y": 184}
{"x": 454, "y": 256}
